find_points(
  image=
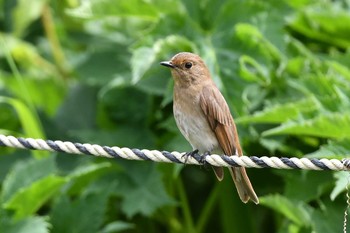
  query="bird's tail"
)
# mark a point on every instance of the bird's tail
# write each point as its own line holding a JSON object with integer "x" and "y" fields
{"x": 243, "y": 185}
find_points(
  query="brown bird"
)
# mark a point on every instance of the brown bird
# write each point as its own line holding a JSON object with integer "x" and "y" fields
{"x": 204, "y": 118}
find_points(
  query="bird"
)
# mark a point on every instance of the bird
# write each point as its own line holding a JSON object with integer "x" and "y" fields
{"x": 204, "y": 118}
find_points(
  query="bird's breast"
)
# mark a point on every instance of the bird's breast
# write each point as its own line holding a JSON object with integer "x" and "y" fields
{"x": 193, "y": 123}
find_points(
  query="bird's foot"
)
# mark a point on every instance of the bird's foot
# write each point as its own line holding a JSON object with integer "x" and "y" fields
{"x": 202, "y": 160}
{"x": 190, "y": 154}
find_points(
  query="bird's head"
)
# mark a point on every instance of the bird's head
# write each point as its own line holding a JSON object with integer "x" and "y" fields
{"x": 187, "y": 69}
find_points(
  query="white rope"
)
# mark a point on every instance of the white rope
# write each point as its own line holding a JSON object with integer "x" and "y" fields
{"x": 175, "y": 157}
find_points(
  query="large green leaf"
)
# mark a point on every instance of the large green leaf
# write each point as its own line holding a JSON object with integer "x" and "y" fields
{"x": 333, "y": 149}
{"x": 24, "y": 174}
{"x": 306, "y": 186}
{"x": 141, "y": 61}
{"x": 254, "y": 39}
{"x": 142, "y": 180}
{"x": 83, "y": 214}
{"x": 102, "y": 64}
{"x": 28, "y": 200}
{"x": 325, "y": 25}
{"x": 297, "y": 212}
{"x": 85, "y": 174}
{"x": 331, "y": 125}
{"x": 27, "y": 225}
{"x": 280, "y": 113}
{"x": 329, "y": 218}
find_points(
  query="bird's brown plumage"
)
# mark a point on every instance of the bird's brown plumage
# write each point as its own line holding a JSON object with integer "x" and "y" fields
{"x": 200, "y": 108}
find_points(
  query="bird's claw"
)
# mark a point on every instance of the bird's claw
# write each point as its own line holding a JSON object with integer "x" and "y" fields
{"x": 196, "y": 156}
{"x": 205, "y": 154}
{"x": 189, "y": 154}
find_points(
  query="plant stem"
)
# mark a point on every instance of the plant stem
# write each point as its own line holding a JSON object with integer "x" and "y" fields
{"x": 185, "y": 208}
{"x": 52, "y": 37}
{"x": 208, "y": 209}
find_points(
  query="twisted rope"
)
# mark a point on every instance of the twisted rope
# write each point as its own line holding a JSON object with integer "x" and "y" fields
{"x": 175, "y": 157}
{"x": 345, "y": 220}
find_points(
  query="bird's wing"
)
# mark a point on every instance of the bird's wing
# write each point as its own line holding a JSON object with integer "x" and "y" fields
{"x": 220, "y": 120}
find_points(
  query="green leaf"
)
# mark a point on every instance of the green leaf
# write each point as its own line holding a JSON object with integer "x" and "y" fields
{"x": 102, "y": 64}
{"x": 297, "y": 212}
{"x": 123, "y": 111}
{"x": 204, "y": 14}
{"x": 142, "y": 190}
{"x": 141, "y": 61}
{"x": 252, "y": 37}
{"x": 117, "y": 226}
{"x": 323, "y": 87}
{"x": 330, "y": 217}
{"x": 80, "y": 98}
{"x": 210, "y": 57}
{"x": 27, "y": 225}
{"x": 28, "y": 57}
{"x": 252, "y": 71}
{"x": 24, "y": 174}
{"x": 332, "y": 149}
{"x": 25, "y": 13}
{"x": 344, "y": 71}
{"x": 332, "y": 125}
{"x": 46, "y": 94}
{"x": 341, "y": 184}
{"x": 325, "y": 25}
{"x": 280, "y": 113}
{"x": 83, "y": 214}
{"x": 28, "y": 120}
{"x": 306, "y": 186}
{"x": 8, "y": 157}
{"x": 124, "y": 8}
{"x": 28, "y": 200}
{"x": 84, "y": 175}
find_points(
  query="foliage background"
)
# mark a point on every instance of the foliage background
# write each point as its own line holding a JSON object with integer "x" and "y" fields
{"x": 88, "y": 71}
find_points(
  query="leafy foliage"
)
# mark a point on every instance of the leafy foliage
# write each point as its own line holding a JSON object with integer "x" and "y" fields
{"x": 89, "y": 71}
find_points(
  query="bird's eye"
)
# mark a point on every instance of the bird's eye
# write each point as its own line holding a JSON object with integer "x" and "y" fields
{"x": 188, "y": 65}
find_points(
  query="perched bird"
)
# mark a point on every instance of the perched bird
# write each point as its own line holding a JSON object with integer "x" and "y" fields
{"x": 204, "y": 118}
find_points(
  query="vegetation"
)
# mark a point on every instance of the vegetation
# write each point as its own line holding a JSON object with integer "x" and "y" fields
{"x": 88, "y": 71}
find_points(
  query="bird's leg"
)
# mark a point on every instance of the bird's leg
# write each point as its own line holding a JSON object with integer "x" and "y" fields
{"x": 203, "y": 161}
{"x": 189, "y": 154}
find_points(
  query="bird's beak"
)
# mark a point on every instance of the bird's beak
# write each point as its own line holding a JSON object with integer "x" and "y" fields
{"x": 167, "y": 63}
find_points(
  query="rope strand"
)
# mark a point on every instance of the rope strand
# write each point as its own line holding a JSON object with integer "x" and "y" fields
{"x": 345, "y": 221}
{"x": 176, "y": 157}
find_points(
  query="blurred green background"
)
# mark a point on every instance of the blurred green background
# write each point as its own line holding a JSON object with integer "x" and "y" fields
{"x": 88, "y": 71}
